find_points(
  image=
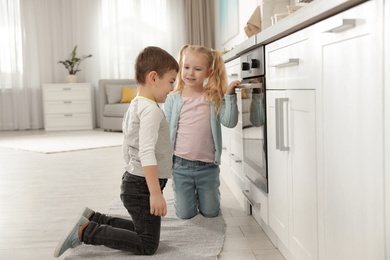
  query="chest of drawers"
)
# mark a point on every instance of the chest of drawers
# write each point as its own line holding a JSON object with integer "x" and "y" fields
{"x": 68, "y": 106}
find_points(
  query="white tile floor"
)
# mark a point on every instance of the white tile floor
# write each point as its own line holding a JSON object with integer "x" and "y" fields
{"x": 40, "y": 194}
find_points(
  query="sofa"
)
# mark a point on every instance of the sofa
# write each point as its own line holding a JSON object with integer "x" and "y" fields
{"x": 110, "y": 108}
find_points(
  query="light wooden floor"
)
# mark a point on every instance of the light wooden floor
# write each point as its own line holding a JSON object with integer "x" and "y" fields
{"x": 41, "y": 194}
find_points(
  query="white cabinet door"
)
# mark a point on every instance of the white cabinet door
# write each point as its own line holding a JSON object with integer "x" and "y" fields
{"x": 302, "y": 175}
{"x": 351, "y": 134}
{"x": 277, "y": 172}
{"x": 292, "y": 170}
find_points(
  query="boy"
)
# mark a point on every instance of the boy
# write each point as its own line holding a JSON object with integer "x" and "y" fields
{"x": 148, "y": 156}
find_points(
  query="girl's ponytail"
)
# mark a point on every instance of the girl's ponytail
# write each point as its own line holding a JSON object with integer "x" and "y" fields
{"x": 217, "y": 82}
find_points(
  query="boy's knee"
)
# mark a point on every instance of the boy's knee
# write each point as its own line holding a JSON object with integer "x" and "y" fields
{"x": 150, "y": 249}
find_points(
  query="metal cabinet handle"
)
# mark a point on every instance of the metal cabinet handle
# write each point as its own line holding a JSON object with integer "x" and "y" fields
{"x": 342, "y": 25}
{"x": 235, "y": 158}
{"x": 233, "y": 75}
{"x": 289, "y": 62}
{"x": 250, "y": 199}
{"x": 280, "y": 118}
{"x": 277, "y": 123}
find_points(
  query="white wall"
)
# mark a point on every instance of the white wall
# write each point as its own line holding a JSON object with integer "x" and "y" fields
{"x": 245, "y": 11}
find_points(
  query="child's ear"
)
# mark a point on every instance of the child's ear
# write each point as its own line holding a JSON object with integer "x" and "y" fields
{"x": 151, "y": 77}
{"x": 210, "y": 72}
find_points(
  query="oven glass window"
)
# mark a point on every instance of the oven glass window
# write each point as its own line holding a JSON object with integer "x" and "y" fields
{"x": 253, "y": 124}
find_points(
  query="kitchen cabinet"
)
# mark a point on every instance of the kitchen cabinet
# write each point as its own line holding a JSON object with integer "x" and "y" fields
{"x": 350, "y": 134}
{"x": 291, "y": 132}
{"x": 232, "y": 146}
{"x": 292, "y": 170}
{"x": 68, "y": 106}
{"x": 337, "y": 164}
{"x": 328, "y": 141}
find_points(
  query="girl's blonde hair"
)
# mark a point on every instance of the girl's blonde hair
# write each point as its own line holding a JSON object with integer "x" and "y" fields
{"x": 217, "y": 82}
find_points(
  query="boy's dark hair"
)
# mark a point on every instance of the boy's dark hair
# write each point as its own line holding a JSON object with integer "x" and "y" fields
{"x": 153, "y": 59}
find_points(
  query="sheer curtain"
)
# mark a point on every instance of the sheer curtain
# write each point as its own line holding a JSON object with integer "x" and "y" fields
{"x": 36, "y": 34}
{"x": 200, "y": 22}
{"x": 126, "y": 27}
{"x": 18, "y": 107}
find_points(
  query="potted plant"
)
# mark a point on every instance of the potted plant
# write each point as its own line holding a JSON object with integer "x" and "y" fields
{"x": 73, "y": 63}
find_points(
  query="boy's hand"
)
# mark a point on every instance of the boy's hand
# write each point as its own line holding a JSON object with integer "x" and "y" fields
{"x": 158, "y": 206}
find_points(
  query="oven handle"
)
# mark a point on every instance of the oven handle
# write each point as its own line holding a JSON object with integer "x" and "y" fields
{"x": 280, "y": 119}
{"x": 251, "y": 85}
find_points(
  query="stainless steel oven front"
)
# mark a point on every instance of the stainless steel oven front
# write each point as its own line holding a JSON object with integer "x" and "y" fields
{"x": 253, "y": 118}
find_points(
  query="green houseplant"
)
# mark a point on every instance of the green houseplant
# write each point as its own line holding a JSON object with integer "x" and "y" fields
{"x": 73, "y": 63}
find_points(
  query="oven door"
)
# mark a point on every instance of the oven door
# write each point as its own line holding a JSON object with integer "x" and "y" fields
{"x": 254, "y": 132}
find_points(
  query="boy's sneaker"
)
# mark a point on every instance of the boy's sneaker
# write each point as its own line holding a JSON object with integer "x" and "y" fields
{"x": 87, "y": 212}
{"x": 71, "y": 240}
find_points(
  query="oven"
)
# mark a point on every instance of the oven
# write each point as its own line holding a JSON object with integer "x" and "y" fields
{"x": 253, "y": 105}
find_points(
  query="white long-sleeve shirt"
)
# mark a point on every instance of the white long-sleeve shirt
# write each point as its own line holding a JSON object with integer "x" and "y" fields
{"x": 146, "y": 138}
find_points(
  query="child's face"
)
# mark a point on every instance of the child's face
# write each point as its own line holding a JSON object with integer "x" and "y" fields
{"x": 195, "y": 69}
{"x": 164, "y": 85}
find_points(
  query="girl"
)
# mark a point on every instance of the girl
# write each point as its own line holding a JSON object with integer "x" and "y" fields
{"x": 195, "y": 111}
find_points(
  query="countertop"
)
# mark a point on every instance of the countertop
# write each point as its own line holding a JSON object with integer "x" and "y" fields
{"x": 306, "y": 16}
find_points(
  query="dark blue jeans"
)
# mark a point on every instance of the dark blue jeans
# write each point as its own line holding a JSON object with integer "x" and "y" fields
{"x": 141, "y": 235}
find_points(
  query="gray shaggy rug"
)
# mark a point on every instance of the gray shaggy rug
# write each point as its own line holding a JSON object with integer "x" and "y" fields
{"x": 193, "y": 239}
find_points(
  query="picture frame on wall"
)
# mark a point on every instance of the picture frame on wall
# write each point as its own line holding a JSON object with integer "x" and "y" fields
{"x": 228, "y": 19}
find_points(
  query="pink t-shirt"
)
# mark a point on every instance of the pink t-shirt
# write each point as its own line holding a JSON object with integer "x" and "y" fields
{"x": 194, "y": 140}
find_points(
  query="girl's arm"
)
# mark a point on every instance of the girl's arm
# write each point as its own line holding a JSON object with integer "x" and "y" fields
{"x": 167, "y": 108}
{"x": 228, "y": 112}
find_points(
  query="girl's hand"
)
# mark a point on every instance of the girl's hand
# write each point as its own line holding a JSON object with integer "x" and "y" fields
{"x": 231, "y": 88}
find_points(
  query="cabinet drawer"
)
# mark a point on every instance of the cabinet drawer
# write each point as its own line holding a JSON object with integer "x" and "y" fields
{"x": 77, "y": 106}
{"x": 289, "y": 62}
{"x": 68, "y": 121}
{"x": 67, "y": 93}
{"x": 350, "y": 24}
{"x": 233, "y": 70}
{"x": 258, "y": 199}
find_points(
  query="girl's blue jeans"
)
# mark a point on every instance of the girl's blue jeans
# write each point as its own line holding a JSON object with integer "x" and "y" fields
{"x": 196, "y": 188}
{"x": 141, "y": 235}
